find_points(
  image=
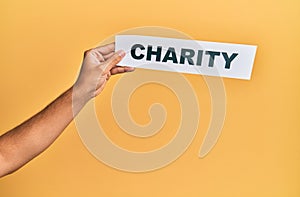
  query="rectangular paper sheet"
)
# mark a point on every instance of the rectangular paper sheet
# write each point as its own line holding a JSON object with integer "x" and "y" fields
{"x": 209, "y": 57}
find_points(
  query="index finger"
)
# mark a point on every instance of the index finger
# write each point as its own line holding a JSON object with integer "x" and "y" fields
{"x": 106, "y": 49}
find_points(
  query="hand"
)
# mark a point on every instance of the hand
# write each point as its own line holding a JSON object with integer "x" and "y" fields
{"x": 21, "y": 144}
{"x": 97, "y": 67}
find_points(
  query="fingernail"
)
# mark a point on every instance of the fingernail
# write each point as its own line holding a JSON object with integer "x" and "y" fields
{"x": 121, "y": 53}
{"x": 131, "y": 69}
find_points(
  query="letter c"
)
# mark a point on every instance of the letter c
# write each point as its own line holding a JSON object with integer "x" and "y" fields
{"x": 133, "y": 51}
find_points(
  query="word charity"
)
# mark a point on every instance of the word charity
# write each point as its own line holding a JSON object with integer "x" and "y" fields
{"x": 186, "y": 55}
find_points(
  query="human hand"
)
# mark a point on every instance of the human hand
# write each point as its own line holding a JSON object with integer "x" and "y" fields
{"x": 97, "y": 67}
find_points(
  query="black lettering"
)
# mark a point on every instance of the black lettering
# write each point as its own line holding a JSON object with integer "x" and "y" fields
{"x": 212, "y": 55}
{"x": 199, "y": 57}
{"x": 228, "y": 60}
{"x": 187, "y": 54}
{"x": 170, "y": 55}
{"x": 133, "y": 51}
{"x": 157, "y": 53}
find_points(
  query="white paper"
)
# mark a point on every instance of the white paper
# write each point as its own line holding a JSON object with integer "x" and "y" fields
{"x": 209, "y": 58}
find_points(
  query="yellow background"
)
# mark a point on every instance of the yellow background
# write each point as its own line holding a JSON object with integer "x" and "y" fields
{"x": 258, "y": 153}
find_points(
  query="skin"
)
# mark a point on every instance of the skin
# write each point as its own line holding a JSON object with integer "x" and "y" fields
{"x": 24, "y": 142}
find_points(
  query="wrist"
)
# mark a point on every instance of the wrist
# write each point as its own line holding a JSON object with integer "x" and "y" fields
{"x": 80, "y": 96}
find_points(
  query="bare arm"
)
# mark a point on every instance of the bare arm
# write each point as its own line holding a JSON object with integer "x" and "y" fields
{"x": 21, "y": 144}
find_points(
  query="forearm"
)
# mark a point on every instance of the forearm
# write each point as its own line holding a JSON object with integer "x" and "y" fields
{"x": 32, "y": 137}
{"x": 26, "y": 141}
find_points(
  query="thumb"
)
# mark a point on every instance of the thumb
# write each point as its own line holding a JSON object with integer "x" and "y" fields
{"x": 112, "y": 61}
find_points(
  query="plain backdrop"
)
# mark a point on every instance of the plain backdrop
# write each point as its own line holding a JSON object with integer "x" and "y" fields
{"x": 258, "y": 153}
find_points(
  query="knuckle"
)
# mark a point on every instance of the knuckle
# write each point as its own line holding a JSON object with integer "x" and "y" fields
{"x": 90, "y": 52}
{"x": 117, "y": 58}
{"x": 87, "y": 52}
